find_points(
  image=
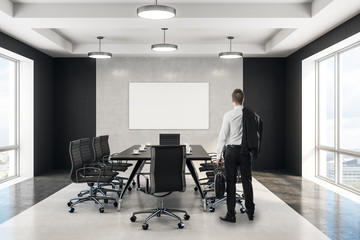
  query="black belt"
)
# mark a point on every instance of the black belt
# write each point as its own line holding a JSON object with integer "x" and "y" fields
{"x": 234, "y": 146}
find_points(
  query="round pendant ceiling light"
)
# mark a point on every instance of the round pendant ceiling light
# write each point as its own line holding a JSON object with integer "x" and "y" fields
{"x": 164, "y": 47}
{"x": 99, "y": 54}
{"x": 231, "y": 54}
{"x": 156, "y": 11}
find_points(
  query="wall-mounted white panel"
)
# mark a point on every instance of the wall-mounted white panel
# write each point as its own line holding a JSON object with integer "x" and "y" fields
{"x": 168, "y": 105}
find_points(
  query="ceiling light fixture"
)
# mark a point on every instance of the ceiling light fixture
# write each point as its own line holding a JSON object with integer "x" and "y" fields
{"x": 164, "y": 47}
{"x": 230, "y": 54}
{"x": 156, "y": 11}
{"x": 99, "y": 54}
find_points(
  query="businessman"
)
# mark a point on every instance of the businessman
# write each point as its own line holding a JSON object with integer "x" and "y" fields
{"x": 240, "y": 132}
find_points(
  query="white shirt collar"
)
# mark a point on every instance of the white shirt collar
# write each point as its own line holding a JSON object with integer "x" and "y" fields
{"x": 238, "y": 106}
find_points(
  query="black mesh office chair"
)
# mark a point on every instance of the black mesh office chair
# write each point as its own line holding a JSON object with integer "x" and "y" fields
{"x": 164, "y": 139}
{"x": 91, "y": 175}
{"x": 167, "y": 175}
{"x": 101, "y": 151}
{"x": 101, "y": 146}
{"x": 85, "y": 149}
{"x": 116, "y": 184}
{"x": 169, "y": 139}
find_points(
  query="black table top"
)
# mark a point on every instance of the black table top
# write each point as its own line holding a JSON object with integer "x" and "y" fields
{"x": 198, "y": 153}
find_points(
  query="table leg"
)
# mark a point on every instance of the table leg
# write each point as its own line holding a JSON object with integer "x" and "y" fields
{"x": 131, "y": 177}
{"x": 195, "y": 176}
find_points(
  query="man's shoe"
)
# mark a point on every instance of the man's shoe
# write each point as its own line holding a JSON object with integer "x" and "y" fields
{"x": 229, "y": 218}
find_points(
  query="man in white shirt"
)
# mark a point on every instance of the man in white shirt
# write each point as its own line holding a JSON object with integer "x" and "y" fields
{"x": 232, "y": 136}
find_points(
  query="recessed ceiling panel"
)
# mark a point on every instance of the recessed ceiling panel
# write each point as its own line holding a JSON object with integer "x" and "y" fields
{"x": 178, "y": 36}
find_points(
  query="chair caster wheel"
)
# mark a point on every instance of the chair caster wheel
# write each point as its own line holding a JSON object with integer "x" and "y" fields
{"x": 181, "y": 225}
{"x": 186, "y": 217}
{"x": 195, "y": 189}
{"x": 212, "y": 200}
{"x": 242, "y": 210}
{"x": 212, "y": 209}
{"x": 71, "y": 210}
{"x": 158, "y": 215}
{"x": 145, "y": 226}
{"x": 106, "y": 200}
{"x": 101, "y": 210}
{"x": 116, "y": 204}
{"x": 79, "y": 195}
{"x": 133, "y": 183}
{"x": 69, "y": 204}
{"x": 129, "y": 188}
{"x": 133, "y": 218}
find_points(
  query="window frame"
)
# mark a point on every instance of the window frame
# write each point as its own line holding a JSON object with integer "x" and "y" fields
{"x": 337, "y": 118}
{"x": 16, "y": 144}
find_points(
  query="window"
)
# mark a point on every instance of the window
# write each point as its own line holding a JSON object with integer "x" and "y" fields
{"x": 8, "y": 119}
{"x": 326, "y": 101}
{"x": 338, "y": 118}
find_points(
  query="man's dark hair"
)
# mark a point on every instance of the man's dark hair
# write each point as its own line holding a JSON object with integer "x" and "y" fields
{"x": 238, "y": 96}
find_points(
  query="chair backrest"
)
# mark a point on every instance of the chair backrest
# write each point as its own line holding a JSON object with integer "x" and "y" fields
{"x": 97, "y": 149}
{"x": 167, "y": 169}
{"x": 169, "y": 139}
{"x": 104, "y": 144}
{"x": 75, "y": 157}
{"x": 85, "y": 150}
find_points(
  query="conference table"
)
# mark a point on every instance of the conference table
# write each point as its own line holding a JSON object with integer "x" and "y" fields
{"x": 198, "y": 153}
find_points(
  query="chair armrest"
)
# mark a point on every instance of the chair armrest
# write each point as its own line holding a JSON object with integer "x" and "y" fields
{"x": 100, "y": 165}
{"x": 109, "y": 159}
{"x": 147, "y": 185}
{"x": 84, "y": 169}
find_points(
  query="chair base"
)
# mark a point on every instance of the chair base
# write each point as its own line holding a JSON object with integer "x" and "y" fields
{"x": 239, "y": 200}
{"x": 91, "y": 197}
{"x": 161, "y": 211}
{"x": 102, "y": 188}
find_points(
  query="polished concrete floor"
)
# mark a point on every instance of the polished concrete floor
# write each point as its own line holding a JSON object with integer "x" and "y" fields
{"x": 23, "y": 195}
{"x": 336, "y": 216}
{"x": 306, "y": 210}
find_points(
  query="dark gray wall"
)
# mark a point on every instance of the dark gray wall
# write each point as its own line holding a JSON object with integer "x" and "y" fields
{"x": 43, "y": 101}
{"x": 293, "y": 91}
{"x": 74, "y": 105}
{"x": 264, "y": 88}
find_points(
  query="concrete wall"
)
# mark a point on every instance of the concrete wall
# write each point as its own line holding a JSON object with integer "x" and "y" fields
{"x": 112, "y": 100}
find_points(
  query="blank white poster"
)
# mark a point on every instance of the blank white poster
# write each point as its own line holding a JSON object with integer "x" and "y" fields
{"x": 168, "y": 105}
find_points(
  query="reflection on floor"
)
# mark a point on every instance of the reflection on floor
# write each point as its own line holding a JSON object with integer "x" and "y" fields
{"x": 19, "y": 197}
{"x": 337, "y": 217}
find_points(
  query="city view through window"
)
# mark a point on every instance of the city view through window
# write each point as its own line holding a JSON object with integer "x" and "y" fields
{"x": 8, "y": 121}
{"x": 339, "y": 118}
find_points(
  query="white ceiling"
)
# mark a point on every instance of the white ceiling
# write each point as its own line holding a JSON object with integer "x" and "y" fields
{"x": 262, "y": 28}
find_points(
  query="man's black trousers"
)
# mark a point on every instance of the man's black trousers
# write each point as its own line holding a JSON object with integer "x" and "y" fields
{"x": 234, "y": 160}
